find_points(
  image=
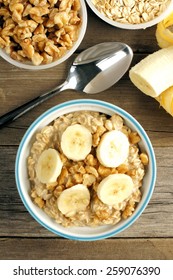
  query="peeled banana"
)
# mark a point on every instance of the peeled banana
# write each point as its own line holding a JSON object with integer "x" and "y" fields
{"x": 49, "y": 166}
{"x": 73, "y": 200}
{"x": 154, "y": 74}
{"x": 115, "y": 188}
{"x": 113, "y": 148}
{"x": 76, "y": 142}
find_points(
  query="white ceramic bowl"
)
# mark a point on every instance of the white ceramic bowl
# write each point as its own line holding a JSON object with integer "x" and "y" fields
{"x": 23, "y": 185}
{"x": 145, "y": 25}
{"x": 30, "y": 66}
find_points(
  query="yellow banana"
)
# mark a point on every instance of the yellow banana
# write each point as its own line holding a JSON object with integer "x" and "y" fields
{"x": 166, "y": 100}
{"x": 164, "y": 32}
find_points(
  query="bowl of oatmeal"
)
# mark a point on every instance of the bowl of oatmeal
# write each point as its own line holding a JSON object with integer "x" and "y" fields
{"x": 85, "y": 170}
{"x": 41, "y": 34}
{"x": 131, "y": 14}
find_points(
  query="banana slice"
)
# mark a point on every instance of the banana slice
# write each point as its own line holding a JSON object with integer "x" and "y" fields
{"x": 154, "y": 74}
{"x": 49, "y": 166}
{"x": 76, "y": 142}
{"x": 115, "y": 188}
{"x": 113, "y": 148}
{"x": 73, "y": 200}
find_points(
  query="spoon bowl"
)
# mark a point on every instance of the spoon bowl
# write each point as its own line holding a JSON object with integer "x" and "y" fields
{"x": 94, "y": 70}
{"x": 104, "y": 65}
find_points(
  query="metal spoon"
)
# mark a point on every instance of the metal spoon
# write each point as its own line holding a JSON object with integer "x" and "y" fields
{"x": 94, "y": 70}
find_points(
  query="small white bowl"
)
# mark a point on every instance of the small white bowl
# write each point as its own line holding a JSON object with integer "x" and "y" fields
{"x": 30, "y": 66}
{"x": 144, "y": 25}
{"x": 23, "y": 184}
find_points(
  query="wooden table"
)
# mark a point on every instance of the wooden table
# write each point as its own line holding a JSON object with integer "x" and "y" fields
{"x": 21, "y": 237}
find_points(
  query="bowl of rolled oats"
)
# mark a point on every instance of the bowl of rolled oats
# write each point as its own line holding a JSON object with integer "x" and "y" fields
{"x": 131, "y": 14}
{"x": 85, "y": 170}
{"x": 39, "y": 34}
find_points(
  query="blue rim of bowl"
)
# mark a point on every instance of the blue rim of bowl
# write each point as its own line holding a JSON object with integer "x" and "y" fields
{"x": 123, "y": 114}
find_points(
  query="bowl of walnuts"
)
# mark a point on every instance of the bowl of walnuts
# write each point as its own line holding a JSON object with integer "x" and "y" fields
{"x": 85, "y": 170}
{"x": 39, "y": 34}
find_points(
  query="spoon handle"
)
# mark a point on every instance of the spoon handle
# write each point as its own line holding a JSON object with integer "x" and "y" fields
{"x": 19, "y": 111}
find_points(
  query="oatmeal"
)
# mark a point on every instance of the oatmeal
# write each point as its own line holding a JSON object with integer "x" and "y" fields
{"x": 94, "y": 176}
{"x": 38, "y": 31}
{"x": 131, "y": 11}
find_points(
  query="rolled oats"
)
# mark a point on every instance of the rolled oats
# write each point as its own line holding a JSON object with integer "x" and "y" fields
{"x": 88, "y": 172}
{"x": 131, "y": 11}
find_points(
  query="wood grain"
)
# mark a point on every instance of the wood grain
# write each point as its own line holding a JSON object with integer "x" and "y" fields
{"x": 110, "y": 249}
{"x": 151, "y": 236}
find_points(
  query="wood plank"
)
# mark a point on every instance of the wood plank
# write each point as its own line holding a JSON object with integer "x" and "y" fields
{"x": 139, "y": 40}
{"x": 60, "y": 249}
{"x": 155, "y": 120}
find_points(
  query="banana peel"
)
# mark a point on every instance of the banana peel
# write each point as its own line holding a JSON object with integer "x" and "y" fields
{"x": 164, "y": 32}
{"x": 164, "y": 37}
{"x": 166, "y": 100}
